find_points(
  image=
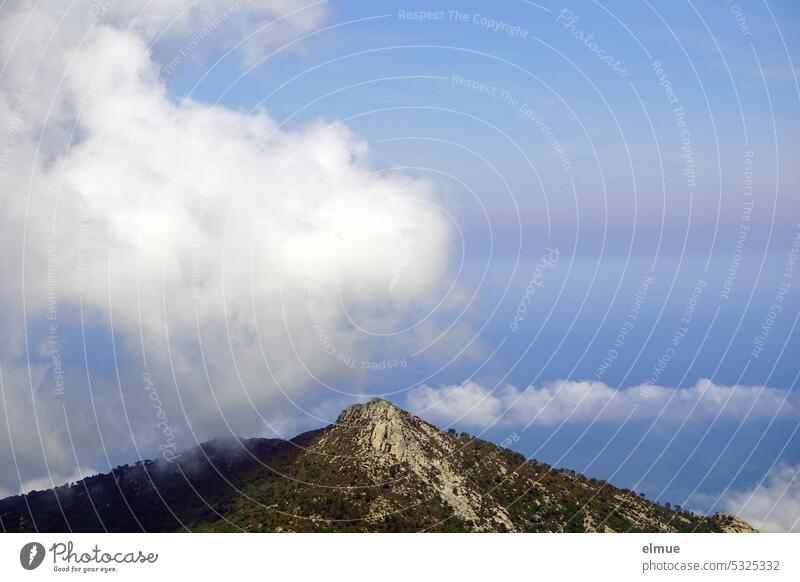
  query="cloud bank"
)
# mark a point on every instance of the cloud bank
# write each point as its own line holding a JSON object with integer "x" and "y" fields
{"x": 472, "y": 404}
{"x": 771, "y": 506}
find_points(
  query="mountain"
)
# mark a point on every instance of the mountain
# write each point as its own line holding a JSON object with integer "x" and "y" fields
{"x": 377, "y": 469}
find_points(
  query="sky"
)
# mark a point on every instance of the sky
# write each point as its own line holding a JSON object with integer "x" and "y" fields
{"x": 574, "y": 223}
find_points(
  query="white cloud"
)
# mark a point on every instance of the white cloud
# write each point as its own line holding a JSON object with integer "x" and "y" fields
{"x": 254, "y": 26}
{"x": 200, "y": 232}
{"x": 771, "y": 506}
{"x": 471, "y": 404}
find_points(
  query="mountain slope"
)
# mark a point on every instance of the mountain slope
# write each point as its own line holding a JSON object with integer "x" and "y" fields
{"x": 378, "y": 468}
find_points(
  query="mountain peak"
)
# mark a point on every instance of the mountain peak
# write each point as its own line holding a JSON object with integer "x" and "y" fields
{"x": 375, "y": 412}
{"x": 376, "y": 406}
{"x": 378, "y": 425}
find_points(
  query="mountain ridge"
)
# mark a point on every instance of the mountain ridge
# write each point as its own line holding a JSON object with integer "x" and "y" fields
{"x": 377, "y": 468}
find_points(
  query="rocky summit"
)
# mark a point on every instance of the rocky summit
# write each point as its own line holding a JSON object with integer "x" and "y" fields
{"x": 376, "y": 469}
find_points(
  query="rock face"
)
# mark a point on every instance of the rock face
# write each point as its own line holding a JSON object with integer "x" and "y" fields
{"x": 378, "y": 468}
{"x": 732, "y": 524}
{"x": 387, "y": 437}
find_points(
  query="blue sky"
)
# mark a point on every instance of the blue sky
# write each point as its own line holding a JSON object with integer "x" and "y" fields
{"x": 361, "y": 68}
{"x": 648, "y": 144}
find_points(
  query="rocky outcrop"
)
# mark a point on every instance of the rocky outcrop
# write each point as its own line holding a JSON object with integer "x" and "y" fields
{"x": 386, "y": 435}
{"x": 732, "y": 524}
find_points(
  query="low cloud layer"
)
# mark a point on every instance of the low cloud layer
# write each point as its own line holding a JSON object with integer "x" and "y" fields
{"x": 474, "y": 405}
{"x": 771, "y": 506}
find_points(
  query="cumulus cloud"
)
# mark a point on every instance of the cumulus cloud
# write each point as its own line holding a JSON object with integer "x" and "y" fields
{"x": 192, "y": 241}
{"x": 472, "y": 404}
{"x": 773, "y": 505}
